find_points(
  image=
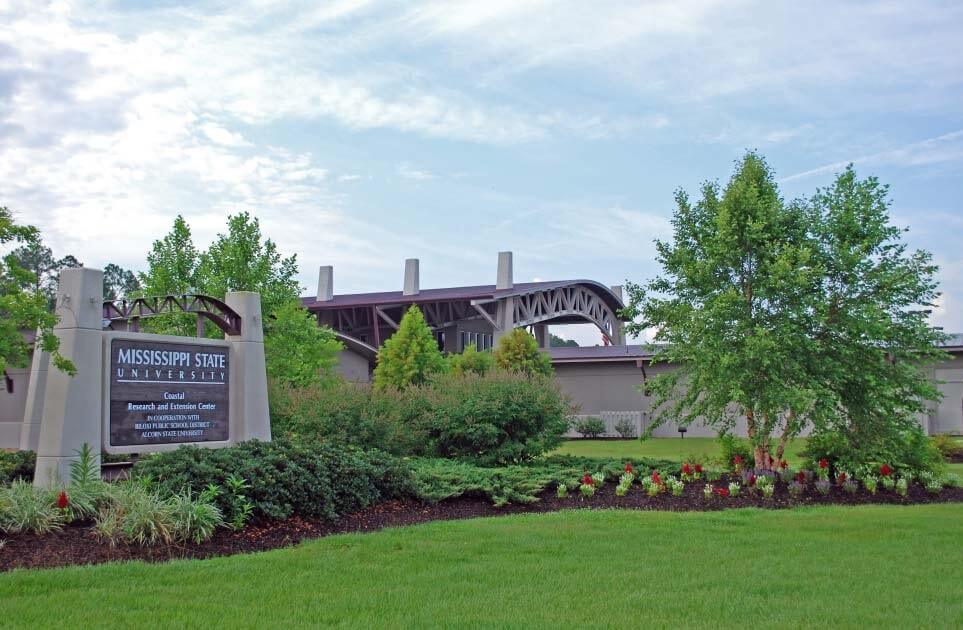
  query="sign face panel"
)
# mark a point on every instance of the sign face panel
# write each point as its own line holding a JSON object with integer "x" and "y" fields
{"x": 167, "y": 392}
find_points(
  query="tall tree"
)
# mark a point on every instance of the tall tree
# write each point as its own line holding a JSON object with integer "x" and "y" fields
{"x": 519, "y": 352}
{"x": 119, "y": 282}
{"x": 790, "y": 315}
{"x": 44, "y": 269}
{"x": 410, "y": 356}
{"x": 242, "y": 260}
{"x": 298, "y": 352}
{"x": 172, "y": 270}
{"x": 23, "y": 305}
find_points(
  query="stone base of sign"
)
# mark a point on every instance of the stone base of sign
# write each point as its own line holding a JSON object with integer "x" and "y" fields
{"x": 252, "y": 420}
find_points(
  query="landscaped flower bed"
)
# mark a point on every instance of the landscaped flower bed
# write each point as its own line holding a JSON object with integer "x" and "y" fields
{"x": 78, "y": 543}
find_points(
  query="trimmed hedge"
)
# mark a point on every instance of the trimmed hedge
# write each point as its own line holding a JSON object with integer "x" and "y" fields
{"x": 17, "y": 465}
{"x": 287, "y": 478}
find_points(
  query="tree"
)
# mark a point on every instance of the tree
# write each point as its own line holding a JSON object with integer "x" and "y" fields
{"x": 172, "y": 270}
{"x": 557, "y": 342}
{"x": 790, "y": 315}
{"x": 472, "y": 361}
{"x": 410, "y": 356}
{"x": 119, "y": 282}
{"x": 44, "y": 269}
{"x": 518, "y": 351}
{"x": 298, "y": 352}
{"x": 241, "y": 261}
{"x": 23, "y": 305}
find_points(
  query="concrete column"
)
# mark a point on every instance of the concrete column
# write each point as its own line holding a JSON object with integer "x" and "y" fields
{"x": 505, "y": 309}
{"x": 618, "y": 332}
{"x": 36, "y": 389}
{"x": 251, "y": 418}
{"x": 505, "y": 273}
{"x": 542, "y": 336}
{"x": 411, "y": 277}
{"x": 72, "y": 413}
{"x": 325, "y": 284}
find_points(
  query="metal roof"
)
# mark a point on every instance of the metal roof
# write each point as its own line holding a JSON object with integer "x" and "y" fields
{"x": 481, "y": 292}
{"x": 585, "y": 354}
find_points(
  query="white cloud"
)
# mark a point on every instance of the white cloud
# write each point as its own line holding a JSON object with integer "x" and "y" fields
{"x": 947, "y": 147}
{"x": 407, "y": 171}
{"x": 350, "y": 177}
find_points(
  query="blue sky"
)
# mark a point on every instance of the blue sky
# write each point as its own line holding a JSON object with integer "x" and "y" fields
{"x": 363, "y": 133}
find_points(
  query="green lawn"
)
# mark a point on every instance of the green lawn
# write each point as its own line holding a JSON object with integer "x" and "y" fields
{"x": 873, "y": 566}
{"x": 661, "y": 448}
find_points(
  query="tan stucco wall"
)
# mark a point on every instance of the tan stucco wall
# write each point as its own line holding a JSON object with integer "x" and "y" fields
{"x": 353, "y": 367}
{"x": 12, "y": 407}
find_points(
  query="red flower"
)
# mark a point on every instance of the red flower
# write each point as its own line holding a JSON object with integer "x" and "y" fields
{"x": 885, "y": 470}
{"x": 841, "y": 477}
{"x": 752, "y": 480}
{"x": 737, "y": 460}
{"x": 587, "y": 480}
{"x": 824, "y": 463}
{"x": 722, "y": 492}
{"x": 63, "y": 500}
{"x": 656, "y": 479}
{"x": 686, "y": 469}
{"x": 801, "y": 476}
{"x": 783, "y": 464}
{"x": 628, "y": 467}
{"x": 698, "y": 468}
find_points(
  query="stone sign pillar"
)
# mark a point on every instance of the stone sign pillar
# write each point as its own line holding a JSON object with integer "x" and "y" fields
{"x": 251, "y": 418}
{"x": 36, "y": 389}
{"x": 71, "y": 405}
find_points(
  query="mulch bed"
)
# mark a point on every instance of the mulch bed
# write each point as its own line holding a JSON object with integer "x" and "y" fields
{"x": 77, "y": 544}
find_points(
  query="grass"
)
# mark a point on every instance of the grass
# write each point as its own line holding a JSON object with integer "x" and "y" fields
{"x": 872, "y": 566}
{"x": 660, "y": 448}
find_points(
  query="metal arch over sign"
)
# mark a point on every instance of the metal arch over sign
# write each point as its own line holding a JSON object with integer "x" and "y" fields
{"x": 161, "y": 392}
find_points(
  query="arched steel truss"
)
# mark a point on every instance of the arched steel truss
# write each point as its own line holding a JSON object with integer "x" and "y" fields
{"x": 204, "y": 306}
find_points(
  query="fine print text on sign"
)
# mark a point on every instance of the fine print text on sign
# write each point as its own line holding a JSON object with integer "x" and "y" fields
{"x": 167, "y": 393}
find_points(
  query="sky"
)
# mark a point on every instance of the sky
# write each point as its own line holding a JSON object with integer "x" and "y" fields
{"x": 364, "y": 133}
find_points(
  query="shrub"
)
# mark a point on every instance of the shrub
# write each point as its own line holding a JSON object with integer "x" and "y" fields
{"x": 732, "y": 448}
{"x": 307, "y": 478}
{"x": 471, "y": 361}
{"x": 902, "y": 486}
{"x": 905, "y": 450}
{"x": 17, "y": 465}
{"x": 498, "y": 418}
{"x": 410, "y": 356}
{"x": 734, "y": 489}
{"x": 562, "y": 490}
{"x": 870, "y": 482}
{"x": 948, "y": 445}
{"x": 385, "y": 419}
{"x": 518, "y": 351}
{"x": 625, "y": 429}
{"x": 590, "y": 427}
{"x": 24, "y": 508}
{"x": 296, "y": 350}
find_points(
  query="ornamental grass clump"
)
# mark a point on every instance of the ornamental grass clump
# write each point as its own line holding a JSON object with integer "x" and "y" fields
{"x": 933, "y": 483}
{"x": 823, "y": 486}
{"x": 870, "y": 482}
{"x": 625, "y": 482}
{"x": 796, "y": 489}
{"x": 561, "y": 491}
{"x": 653, "y": 485}
{"x": 734, "y": 489}
{"x": 707, "y": 491}
{"x": 24, "y": 508}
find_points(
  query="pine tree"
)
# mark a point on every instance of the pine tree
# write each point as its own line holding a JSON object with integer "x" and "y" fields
{"x": 518, "y": 351}
{"x": 410, "y": 356}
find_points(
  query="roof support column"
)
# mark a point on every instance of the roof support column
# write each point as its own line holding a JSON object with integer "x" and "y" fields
{"x": 618, "y": 326}
{"x": 505, "y": 307}
{"x": 542, "y": 336}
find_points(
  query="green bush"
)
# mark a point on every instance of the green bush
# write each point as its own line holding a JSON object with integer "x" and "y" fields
{"x": 498, "y": 418}
{"x": 471, "y": 361}
{"x": 949, "y": 446}
{"x": 17, "y": 465}
{"x": 305, "y": 478}
{"x": 439, "y": 479}
{"x": 410, "y": 356}
{"x": 385, "y": 419}
{"x": 909, "y": 450}
{"x": 590, "y": 427}
{"x": 518, "y": 351}
{"x": 731, "y": 446}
